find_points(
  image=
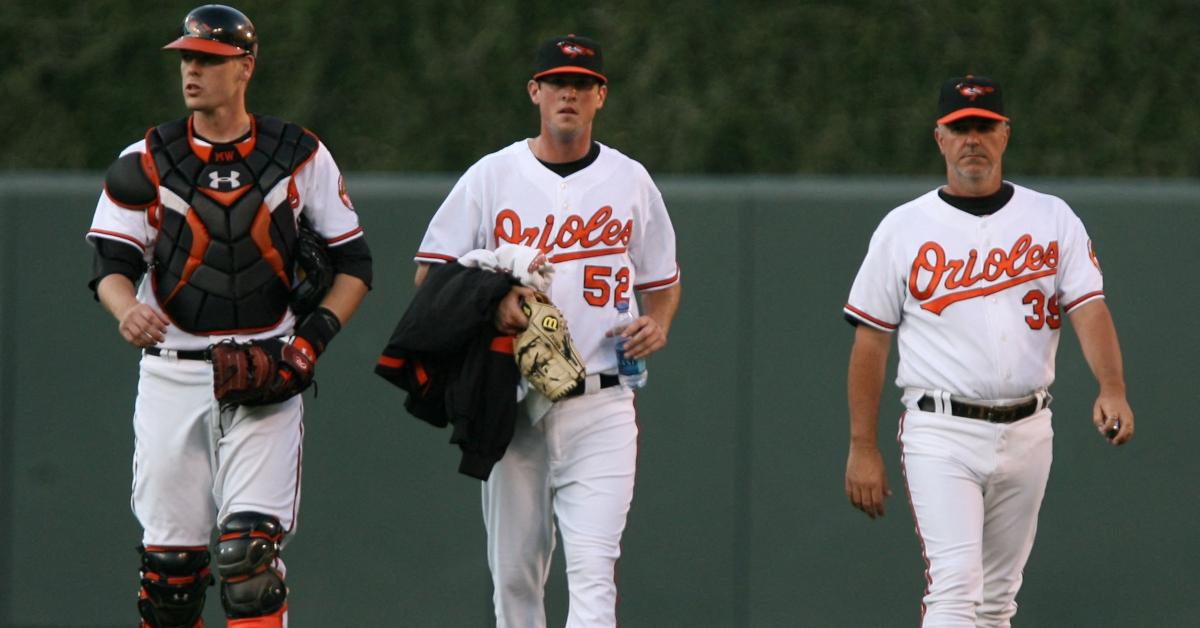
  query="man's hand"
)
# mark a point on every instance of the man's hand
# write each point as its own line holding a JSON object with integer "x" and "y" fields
{"x": 866, "y": 479}
{"x": 139, "y": 324}
{"x": 143, "y": 326}
{"x": 510, "y": 319}
{"x": 642, "y": 337}
{"x": 1110, "y": 413}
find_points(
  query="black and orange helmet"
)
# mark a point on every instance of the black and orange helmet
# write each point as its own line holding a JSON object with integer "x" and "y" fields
{"x": 216, "y": 29}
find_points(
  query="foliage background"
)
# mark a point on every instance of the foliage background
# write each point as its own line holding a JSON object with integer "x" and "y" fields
{"x": 1096, "y": 88}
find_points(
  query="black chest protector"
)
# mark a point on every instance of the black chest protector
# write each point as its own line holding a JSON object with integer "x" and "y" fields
{"x": 226, "y": 264}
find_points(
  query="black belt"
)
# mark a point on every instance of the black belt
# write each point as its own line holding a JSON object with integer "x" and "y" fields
{"x": 991, "y": 414}
{"x": 204, "y": 355}
{"x": 606, "y": 381}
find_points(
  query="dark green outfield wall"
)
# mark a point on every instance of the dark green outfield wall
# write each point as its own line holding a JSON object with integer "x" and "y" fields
{"x": 739, "y": 517}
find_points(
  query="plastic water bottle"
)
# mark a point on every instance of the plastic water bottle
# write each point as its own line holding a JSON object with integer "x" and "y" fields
{"x": 632, "y": 373}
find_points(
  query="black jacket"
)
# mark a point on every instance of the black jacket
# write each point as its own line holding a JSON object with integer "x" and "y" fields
{"x": 456, "y": 366}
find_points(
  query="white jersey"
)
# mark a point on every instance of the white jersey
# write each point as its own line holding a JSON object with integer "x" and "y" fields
{"x": 320, "y": 195}
{"x": 978, "y": 301}
{"x": 605, "y": 228}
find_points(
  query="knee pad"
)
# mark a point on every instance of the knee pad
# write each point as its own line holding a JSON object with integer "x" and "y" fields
{"x": 174, "y": 583}
{"x": 250, "y": 585}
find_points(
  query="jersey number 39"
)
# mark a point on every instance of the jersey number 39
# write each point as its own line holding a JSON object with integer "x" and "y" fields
{"x": 1045, "y": 311}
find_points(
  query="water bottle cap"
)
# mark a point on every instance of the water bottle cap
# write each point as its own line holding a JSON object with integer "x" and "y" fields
{"x": 623, "y": 305}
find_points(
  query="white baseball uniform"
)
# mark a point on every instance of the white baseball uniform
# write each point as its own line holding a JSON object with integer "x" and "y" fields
{"x": 977, "y": 302}
{"x": 607, "y": 231}
{"x": 195, "y": 463}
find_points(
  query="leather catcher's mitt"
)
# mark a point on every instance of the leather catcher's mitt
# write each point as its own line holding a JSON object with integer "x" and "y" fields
{"x": 545, "y": 353}
{"x": 259, "y": 372}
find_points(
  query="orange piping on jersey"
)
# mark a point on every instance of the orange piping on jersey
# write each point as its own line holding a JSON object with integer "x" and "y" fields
{"x": 650, "y": 285}
{"x": 226, "y": 199}
{"x": 1091, "y": 295}
{"x": 392, "y": 363}
{"x": 444, "y": 258}
{"x": 503, "y": 344}
{"x": 574, "y": 255}
{"x": 870, "y": 319}
{"x": 344, "y": 236}
{"x": 117, "y": 234}
{"x": 937, "y": 305}
{"x": 200, "y": 241}
{"x": 260, "y": 232}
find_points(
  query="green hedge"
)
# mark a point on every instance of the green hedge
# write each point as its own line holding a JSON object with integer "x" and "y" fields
{"x": 1095, "y": 87}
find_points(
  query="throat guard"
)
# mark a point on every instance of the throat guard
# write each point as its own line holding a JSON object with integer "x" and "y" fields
{"x": 224, "y": 257}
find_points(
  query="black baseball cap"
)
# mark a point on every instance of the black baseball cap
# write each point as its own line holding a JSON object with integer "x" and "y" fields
{"x": 569, "y": 54}
{"x": 219, "y": 30}
{"x": 970, "y": 97}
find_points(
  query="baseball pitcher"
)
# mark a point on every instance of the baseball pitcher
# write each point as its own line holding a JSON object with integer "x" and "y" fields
{"x": 601, "y": 221}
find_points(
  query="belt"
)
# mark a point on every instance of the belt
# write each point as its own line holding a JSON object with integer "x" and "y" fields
{"x": 991, "y": 414}
{"x": 605, "y": 381}
{"x": 204, "y": 355}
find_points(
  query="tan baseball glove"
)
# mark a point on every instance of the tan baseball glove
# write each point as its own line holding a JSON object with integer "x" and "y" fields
{"x": 545, "y": 353}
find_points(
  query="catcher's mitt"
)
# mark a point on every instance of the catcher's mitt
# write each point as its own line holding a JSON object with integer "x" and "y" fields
{"x": 545, "y": 353}
{"x": 259, "y": 372}
{"x": 314, "y": 270}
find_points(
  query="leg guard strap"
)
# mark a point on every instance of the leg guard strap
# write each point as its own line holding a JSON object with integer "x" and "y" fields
{"x": 174, "y": 585}
{"x": 250, "y": 585}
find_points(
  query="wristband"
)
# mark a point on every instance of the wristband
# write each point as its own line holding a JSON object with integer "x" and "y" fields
{"x": 315, "y": 331}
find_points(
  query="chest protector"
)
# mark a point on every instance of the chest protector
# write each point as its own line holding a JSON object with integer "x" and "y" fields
{"x": 224, "y": 264}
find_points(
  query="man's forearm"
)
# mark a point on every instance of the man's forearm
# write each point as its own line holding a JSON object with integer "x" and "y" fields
{"x": 661, "y": 305}
{"x": 1098, "y": 339}
{"x": 864, "y": 383}
{"x": 344, "y": 297}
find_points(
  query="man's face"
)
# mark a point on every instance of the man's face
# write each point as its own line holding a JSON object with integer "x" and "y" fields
{"x": 568, "y": 102}
{"x": 973, "y": 147}
{"x": 211, "y": 81}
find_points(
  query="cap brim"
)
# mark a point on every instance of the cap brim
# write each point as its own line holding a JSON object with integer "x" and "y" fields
{"x": 570, "y": 69}
{"x": 970, "y": 112}
{"x": 206, "y": 46}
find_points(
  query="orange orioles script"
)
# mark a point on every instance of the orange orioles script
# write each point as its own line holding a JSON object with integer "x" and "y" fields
{"x": 599, "y": 230}
{"x": 1022, "y": 263}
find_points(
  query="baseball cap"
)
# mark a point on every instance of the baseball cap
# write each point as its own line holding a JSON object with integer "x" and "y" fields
{"x": 569, "y": 54}
{"x": 970, "y": 97}
{"x": 216, "y": 29}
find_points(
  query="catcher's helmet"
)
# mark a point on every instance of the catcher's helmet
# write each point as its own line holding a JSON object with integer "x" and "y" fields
{"x": 216, "y": 29}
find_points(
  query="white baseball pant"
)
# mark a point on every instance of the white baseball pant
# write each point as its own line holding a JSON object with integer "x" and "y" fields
{"x": 194, "y": 464}
{"x": 975, "y": 489}
{"x": 576, "y": 465}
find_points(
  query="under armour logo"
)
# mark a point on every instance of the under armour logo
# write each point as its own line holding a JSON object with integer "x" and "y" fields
{"x": 572, "y": 49}
{"x": 971, "y": 92}
{"x": 215, "y": 180}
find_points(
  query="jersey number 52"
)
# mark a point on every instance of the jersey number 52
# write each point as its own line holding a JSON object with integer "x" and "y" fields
{"x": 597, "y": 290}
